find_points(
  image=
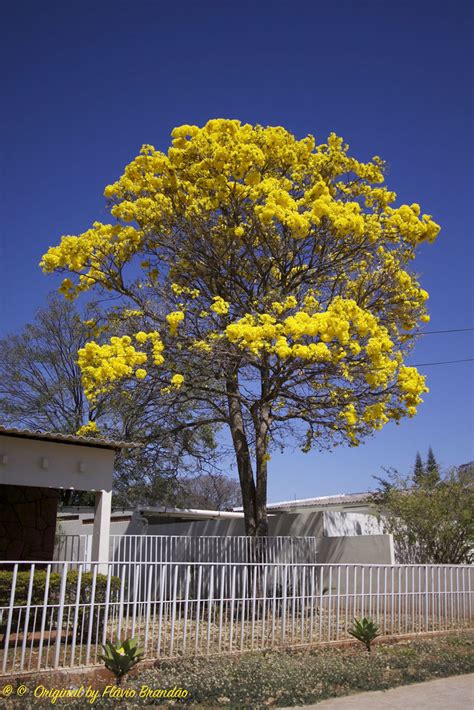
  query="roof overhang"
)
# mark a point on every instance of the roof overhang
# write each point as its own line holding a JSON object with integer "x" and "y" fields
{"x": 97, "y": 443}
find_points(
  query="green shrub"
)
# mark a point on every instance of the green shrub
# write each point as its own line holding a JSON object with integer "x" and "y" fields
{"x": 38, "y": 590}
{"x": 39, "y": 585}
{"x": 365, "y": 631}
{"x": 122, "y": 656}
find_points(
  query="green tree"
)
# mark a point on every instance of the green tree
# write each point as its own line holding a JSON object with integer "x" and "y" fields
{"x": 271, "y": 279}
{"x": 432, "y": 523}
{"x": 418, "y": 471}
{"x": 432, "y": 474}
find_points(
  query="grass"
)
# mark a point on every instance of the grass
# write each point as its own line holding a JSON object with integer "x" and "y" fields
{"x": 255, "y": 681}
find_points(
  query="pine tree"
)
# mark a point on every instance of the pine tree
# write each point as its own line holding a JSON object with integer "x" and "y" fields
{"x": 418, "y": 471}
{"x": 431, "y": 475}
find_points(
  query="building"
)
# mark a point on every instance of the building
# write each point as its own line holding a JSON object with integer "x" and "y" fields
{"x": 34, "y": 467}
{"x": 344, "y": 528}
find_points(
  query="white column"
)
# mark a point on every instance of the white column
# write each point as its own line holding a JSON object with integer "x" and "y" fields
{"x": 101, "y": 531}
{"x": 392, "y": 549}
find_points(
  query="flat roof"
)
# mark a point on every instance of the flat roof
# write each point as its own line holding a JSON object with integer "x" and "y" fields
{"x": 97, "y": 443}
{"x": 320, "y": 502}
{"x": 161, "y": 511}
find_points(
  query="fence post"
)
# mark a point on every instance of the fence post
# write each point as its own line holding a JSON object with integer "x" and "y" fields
{"x": 76, "y": 613}
{"x": 59, "y": 622}
{"x": 27, "y": 616}
{"x": 426, "y": 598}
{"x": 91, "y": 605}
{"x": 10, "y": 616}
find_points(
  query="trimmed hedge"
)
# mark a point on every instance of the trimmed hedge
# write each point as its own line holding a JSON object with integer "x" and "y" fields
{"x": 39, "y": 585}
{"x": 37, "y": 596}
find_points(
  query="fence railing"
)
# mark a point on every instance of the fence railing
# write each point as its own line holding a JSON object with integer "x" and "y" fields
{"x": 73, "y": 547}
{"x": 60, "y": 619}
{"x": 185, "y": 548}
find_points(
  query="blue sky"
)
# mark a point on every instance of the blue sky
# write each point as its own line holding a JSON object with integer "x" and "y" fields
{"x": 87, "y": 83}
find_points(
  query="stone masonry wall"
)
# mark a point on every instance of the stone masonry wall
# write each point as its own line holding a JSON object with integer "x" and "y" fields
{"x": 27, "y": 522}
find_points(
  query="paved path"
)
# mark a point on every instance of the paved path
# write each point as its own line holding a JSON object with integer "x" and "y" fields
{"x": 455, "y": 693}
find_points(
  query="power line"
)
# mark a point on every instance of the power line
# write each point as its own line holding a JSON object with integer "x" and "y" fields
{"x": 443, "y": 362}
{"x": 437, "y": 332}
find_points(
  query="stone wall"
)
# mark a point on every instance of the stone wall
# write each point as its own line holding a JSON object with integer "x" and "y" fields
{"x": 27, "y": 522}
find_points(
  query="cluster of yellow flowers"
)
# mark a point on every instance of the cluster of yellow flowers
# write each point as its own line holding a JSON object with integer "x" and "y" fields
{"x": 406, "y": 221}
{"x": 157, "y": 345}
{"x": 89, "y": 429}
{"x": 101, "y": 365}
{"x": 89, "y": 253}
{"x": 412, "y": 386}
{"x": 343, "y": 330}
{"x": 174, "y": 319}
{"x": 280, "y": 306}
{"x": 375, "y": 415}
{"x": 349, "y": 413}
{"x": 180, "y": 290}
{"x": 283, "y": 185}
{"x": 220, "y": 306}
{"x": 177, "y": 380}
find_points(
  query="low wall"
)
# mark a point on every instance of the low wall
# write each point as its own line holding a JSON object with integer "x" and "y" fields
{"x": 362, "y": 549}
{"x": 359, "y": 549}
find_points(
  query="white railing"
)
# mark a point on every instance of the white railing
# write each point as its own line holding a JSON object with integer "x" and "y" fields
{"x": 59, "y": 620}
{"x": 186, "y": 548}
{"x": 212, "y": 548}
{"x": 73, "y": 547}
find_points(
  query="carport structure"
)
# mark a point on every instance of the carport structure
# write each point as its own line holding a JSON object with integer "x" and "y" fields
{"x": 34, "y": 467}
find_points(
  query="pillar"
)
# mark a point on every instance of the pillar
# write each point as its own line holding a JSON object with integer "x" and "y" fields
{"x": 101, "y": 531}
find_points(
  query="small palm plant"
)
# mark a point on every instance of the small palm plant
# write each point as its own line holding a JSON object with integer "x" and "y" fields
{"x": 121, "y": 657}
{"x": 365, "y": 631}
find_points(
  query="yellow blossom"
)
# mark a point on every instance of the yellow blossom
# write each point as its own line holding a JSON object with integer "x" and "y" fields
{"x": 89, "y": 429}
{"x": 174, "y": 319}
{"x": 220, "y": 306}
{"x": 177, "y": 381}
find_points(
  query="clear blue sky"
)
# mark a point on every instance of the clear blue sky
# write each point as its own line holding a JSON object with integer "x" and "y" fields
{"x": 87, "y": 83}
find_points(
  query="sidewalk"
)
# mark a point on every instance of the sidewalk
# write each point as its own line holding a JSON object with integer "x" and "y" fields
{"x": 455, "y": 693}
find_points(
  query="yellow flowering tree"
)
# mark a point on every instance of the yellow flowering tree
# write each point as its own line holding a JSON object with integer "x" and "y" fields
{"x": 265, "y": 278}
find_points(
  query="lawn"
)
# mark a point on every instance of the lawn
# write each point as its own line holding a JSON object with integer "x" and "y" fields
{"x": 286, "y": 678}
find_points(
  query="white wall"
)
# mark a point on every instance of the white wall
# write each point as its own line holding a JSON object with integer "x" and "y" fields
{"x": 358, "y": 549}
{"x": 314, "y": 523}
{"x": 31, "y": 462}
{"x": 121, "y": 523}
{"x": 351, "y": 524}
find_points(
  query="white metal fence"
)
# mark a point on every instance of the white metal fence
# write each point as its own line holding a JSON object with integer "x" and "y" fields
{"x": 60, "y": 619}
{"x": 185, "y": 548}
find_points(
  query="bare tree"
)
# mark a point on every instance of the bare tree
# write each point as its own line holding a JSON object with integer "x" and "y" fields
{"x": 40, "y": 381}
{"x": 210, "y": 492}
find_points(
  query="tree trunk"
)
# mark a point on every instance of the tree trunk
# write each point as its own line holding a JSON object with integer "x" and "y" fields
{"x": 254, "y": 497}
{"x": 261, "y": 417}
